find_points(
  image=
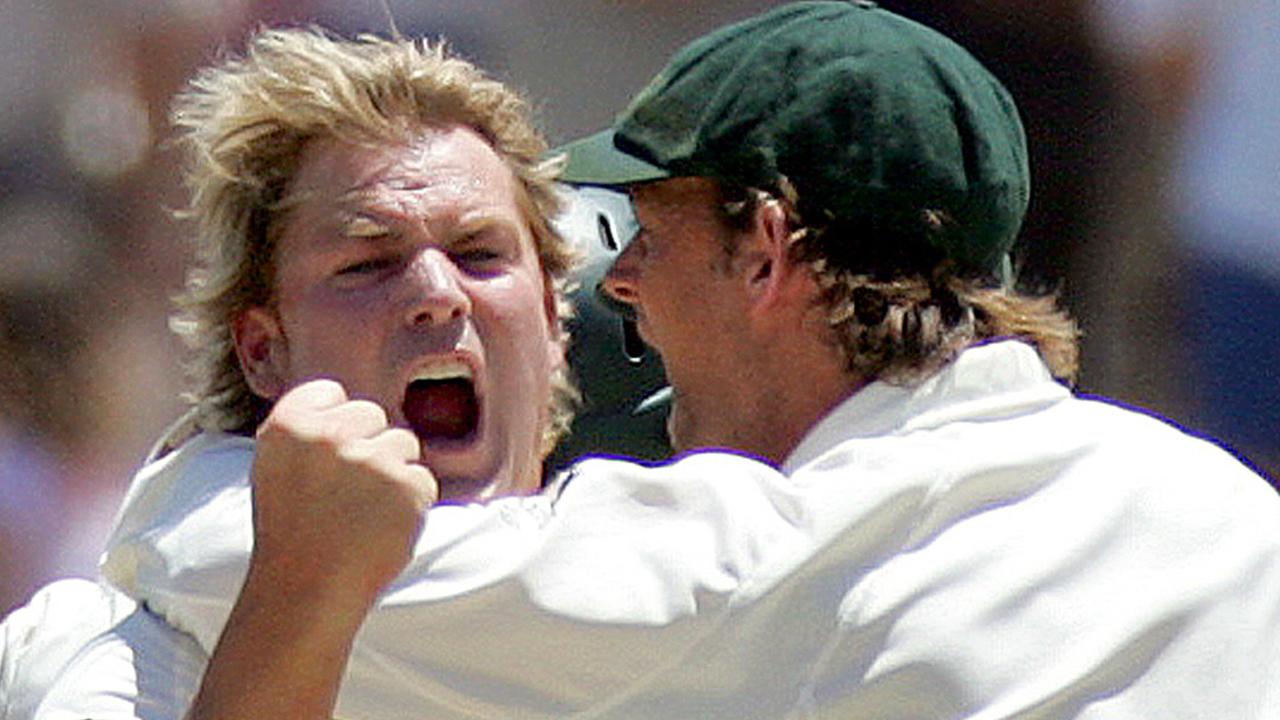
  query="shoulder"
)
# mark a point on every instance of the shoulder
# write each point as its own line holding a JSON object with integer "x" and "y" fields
{"x": 39, "y": 638}
{"x": 170, "y": 487}
{"x": 742, "y": 498}
{"x": 140, "y": 667}
{"x": 649, "y": 543}
{"x": 1144, "y": 453}
{"x": 1104, "y": 547}
{"x": 676, "y": 480}
{"x": 182, "y": 506}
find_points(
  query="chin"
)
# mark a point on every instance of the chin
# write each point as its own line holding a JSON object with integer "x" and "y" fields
{"x": 461, "y": 491}
{"x": 475, "y": 475}
{"x": 678, "y": 430}
{"x": 462, "y": 479}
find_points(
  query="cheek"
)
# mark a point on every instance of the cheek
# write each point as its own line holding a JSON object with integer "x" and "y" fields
{"x": 664, "y": 292}
{"x": 515, "y": 302}
{"x": 332, "y": 335}
{"x": 512, "y": 320}
{"x": 353, "y": 313}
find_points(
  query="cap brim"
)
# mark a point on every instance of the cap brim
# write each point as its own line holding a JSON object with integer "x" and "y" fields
{"x": 594, "y": 160}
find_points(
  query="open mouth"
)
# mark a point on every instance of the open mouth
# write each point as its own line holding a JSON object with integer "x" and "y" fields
{"x": 441, "y": 404}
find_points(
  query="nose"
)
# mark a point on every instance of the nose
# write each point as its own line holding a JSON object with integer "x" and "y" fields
{"x": 620, "y": 281}
{"x": 433, "y": 293}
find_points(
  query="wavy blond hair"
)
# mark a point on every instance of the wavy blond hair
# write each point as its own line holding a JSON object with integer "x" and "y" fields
{"x": 898, "y": 310}
{"x": 244, "y": 124}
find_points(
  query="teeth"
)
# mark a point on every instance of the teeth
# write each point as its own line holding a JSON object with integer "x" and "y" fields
{"x": 444, "y": 370}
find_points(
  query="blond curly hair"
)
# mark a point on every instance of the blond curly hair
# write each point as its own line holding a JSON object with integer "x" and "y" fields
{"x": 897, "y": 308}
{"x": 244, "y": 124}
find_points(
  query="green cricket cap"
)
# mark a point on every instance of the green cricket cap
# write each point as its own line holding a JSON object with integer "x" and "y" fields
{"x": 872, "y": 118}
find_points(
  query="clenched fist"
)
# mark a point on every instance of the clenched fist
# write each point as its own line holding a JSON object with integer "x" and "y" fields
{"x": 339, "y": 497}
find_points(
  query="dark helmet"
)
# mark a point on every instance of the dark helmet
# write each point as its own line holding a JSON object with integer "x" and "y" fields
{"x": 625, "y": 400}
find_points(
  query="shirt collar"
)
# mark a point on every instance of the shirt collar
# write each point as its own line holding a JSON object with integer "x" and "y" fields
{"x": 996, "y": 379}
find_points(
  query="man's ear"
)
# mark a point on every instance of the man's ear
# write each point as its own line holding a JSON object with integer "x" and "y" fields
{"x": 262, "y": 351}
{"x": 770, "y": 271}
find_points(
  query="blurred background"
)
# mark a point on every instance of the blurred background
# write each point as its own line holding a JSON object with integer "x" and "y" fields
{"x": 1156, "y": 209}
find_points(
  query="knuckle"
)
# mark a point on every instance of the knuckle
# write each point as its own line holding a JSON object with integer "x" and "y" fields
{"x": 352, "y": 453}
{"x": 277, "y": 427}
{"x": 403, "y": 441}
{"x": 423, "y": 484}
{"x": 369, "y": 411}
{"x": 331, "y": 442}
{"x": 365, "y": 405}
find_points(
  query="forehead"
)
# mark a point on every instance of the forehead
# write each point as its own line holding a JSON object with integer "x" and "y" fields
{"x": 433, "y": 171}
{"x": 676, "y": 195}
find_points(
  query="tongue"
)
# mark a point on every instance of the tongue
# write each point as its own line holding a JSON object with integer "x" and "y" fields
{"x": 441, "y": 409}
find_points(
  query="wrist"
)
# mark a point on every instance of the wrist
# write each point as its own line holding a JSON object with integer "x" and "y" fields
{"x": 308, "y": 592}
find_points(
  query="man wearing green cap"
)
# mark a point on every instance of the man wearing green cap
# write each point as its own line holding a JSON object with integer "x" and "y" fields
{"x": 865, "y": 179}
{"x": 929, "y": 525}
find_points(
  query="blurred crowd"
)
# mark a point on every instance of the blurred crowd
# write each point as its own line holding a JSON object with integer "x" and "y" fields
{"x": 1156, "y": 208}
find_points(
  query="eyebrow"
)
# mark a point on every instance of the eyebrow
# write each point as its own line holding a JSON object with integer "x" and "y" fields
{"x": 361, "y": 226}
{"x": 356, "y": 195}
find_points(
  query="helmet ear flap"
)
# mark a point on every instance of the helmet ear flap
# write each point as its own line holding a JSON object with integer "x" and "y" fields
{"x": 623, "y": 410}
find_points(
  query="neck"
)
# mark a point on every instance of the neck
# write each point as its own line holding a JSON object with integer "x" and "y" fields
{"x": 801, "y": 380}
{"x": 790, "y": 411}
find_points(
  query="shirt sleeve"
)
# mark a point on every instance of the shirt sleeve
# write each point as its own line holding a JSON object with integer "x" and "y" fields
{"x": 40, "y": 638}
{"x": 631, "y": 568}
{"x": 140, "y": 669}
{"x": 529, "y": 607}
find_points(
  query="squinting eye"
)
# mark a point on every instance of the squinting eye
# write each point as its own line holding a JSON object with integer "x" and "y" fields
{"x": 367, "y": 266}
{"x": 477, "y": 256}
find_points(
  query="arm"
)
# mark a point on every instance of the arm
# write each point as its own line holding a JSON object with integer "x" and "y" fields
{"x": 313, "y": 576}
{"x": 282, "y": 653}
{"x": 531, "y": 606}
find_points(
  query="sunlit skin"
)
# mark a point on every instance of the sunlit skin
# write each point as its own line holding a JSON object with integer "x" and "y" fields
{"x": 690, "y": 305}
{"x": 743, "y": 340}
{"x": 400, "y": 256}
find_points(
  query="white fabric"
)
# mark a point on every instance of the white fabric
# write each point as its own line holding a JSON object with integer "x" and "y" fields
{"x": 983, "y": 545}
{"x": 39, "y": 639}
{"x": 142, "y": 668}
